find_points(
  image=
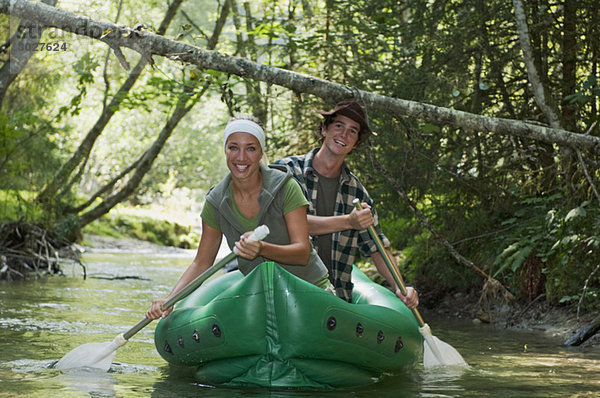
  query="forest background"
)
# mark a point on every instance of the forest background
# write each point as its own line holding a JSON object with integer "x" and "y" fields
{"x": 485, "y": 162}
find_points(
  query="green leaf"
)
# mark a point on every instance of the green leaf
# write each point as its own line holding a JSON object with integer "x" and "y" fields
{"x": 576, "y": 212}
{"x": 515, "y": 260}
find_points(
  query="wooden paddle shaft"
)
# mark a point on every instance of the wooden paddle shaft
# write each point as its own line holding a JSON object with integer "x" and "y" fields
{"x": 258, "y": 234}
{"x": 183, "y": 293}
{"x": 388, "y": 262}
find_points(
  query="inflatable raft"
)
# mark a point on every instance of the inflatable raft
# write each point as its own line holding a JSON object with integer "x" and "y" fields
{"x": 271, "y": 329}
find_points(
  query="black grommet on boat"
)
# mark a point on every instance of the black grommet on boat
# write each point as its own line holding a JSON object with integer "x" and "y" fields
{"x": 196, "y": 336}
{"x": 359, "y": 330}
{"x": 168, "y": 347}
{"x": 399, "y": 344}
{"x": 180, "y": 341}
{"x": 216, "y": 330}
{"x": 380, "y": 337}
{"x": 331, "y": 322}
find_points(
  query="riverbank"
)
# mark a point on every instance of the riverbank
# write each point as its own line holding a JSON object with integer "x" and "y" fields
{"x": 556, "y": 322}
{"x": 97, "y": 242}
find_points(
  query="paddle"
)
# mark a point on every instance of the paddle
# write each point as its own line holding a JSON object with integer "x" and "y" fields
{"x": 436, "y": 352}
{"x": 100, "y": 355}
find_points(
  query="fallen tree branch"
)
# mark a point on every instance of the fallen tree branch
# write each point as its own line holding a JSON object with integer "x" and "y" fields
{"x": 584, "y": 334}
{"x": 114, "y": 277}
{"x": 29, "y": 249}
{"x": 147, "y": 42}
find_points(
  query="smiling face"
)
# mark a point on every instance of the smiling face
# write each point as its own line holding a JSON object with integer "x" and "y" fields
{"x": 243, "y": 154}
{"x": 341, "y": 136}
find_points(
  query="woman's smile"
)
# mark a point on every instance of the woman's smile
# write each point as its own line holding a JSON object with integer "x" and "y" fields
{"x": 243, "y": 153}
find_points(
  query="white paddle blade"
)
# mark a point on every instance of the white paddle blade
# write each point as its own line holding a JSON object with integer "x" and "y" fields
{"x": 91, "y": 355}
{"x": 438, "y": 353}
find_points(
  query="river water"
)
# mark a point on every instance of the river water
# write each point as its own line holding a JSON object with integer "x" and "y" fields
{"x": 41, "y": 320}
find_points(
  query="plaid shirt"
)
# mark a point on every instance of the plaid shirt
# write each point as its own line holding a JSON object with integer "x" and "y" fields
{"x": 344, "y": 243}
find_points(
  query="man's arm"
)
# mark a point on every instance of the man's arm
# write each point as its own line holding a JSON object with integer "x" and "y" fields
{"x": 321, "y": 225}
{"x": 357, "y": 219}
{"x": 412, "y": 297}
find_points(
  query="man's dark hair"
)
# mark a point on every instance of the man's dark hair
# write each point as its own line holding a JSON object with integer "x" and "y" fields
{"x": 351, "y": 110}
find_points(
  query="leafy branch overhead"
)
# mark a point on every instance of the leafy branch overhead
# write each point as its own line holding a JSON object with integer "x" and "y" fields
{"x": 148, "y": 44}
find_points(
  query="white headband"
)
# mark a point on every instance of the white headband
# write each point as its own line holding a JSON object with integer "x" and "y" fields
{"x": 245, "y": 126}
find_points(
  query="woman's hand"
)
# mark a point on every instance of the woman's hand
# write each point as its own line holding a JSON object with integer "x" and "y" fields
{"x": 248, "y": 248}
{"x": 156, "y": 310}
{"x": 411, "y": 299}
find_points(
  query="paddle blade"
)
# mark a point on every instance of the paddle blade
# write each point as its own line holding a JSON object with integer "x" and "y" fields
{"x": 91, "y": 355}
{"x": 438, "y": 353}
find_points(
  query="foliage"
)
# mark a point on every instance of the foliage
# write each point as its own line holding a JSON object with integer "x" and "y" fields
{"x": 469, "y": 184}
{"x": 574, "y": 254}
{"x": 16, "y": 205}
{"x": 84, "y": 69}
{"x": 563, "y": 240}
{"x": 523, "y": 211}
{"x": 27, "y": 142}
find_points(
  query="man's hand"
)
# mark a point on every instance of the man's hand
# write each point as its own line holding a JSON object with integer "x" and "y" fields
{"x": 411, "y": 299}
{"x": 361, "y": 219}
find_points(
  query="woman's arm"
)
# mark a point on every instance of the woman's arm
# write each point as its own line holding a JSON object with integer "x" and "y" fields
{"x": 297, "y": 252}
{"x": 205, "y": 256}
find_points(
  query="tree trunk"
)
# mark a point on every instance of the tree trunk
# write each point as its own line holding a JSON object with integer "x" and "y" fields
{"x": 144, "y": 163}
{"x": 146, "y": 42}
{"x": 247, "y": 49}
{"x": 539, "y": 91}
{"x": 569, "y": 62}
{"x": 82, "y": 153}
{"x": 568, "y": 83}
{"x": 23, "y": 44}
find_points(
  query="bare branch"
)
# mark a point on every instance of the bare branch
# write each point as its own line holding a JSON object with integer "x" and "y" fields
{"x": 539, "y": 91}
{"x": 585, "y": 287}
{"x": 584, "y": 167}
{"x": 492, "y": 287}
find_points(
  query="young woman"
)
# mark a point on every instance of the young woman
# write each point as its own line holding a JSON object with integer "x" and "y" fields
{"x": 253, "y": 194}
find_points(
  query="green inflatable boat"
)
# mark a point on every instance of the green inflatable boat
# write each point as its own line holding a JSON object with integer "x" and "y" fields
{"x": 271, "y": 329}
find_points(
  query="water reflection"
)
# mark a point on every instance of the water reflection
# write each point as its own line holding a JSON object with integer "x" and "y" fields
{"x": 90, "y": 381}
{"x": 40, "y": 321}
{"x": 443, "y": 381}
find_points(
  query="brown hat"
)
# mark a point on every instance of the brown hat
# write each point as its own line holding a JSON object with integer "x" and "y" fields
{"x": 352, "y": 110}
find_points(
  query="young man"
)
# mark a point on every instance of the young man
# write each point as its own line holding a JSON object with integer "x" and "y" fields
{"x": 337, "y": 227}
